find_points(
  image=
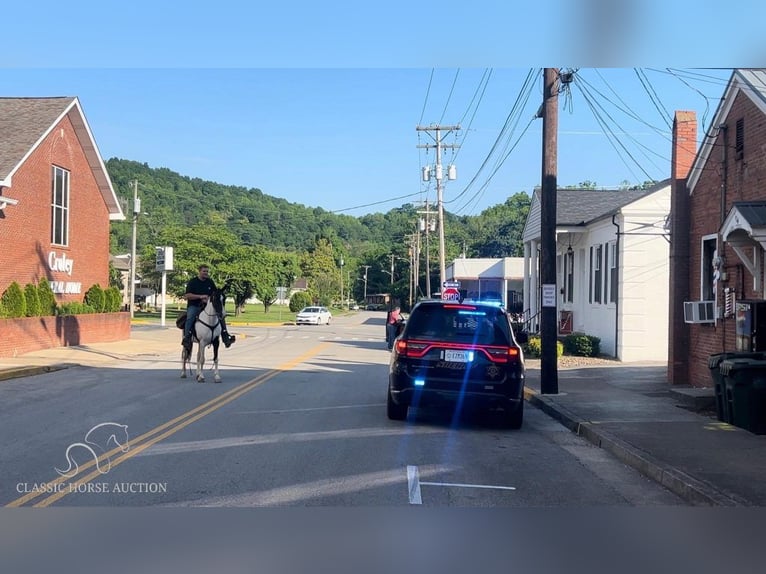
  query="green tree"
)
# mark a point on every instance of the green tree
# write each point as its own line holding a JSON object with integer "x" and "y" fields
{"x": 13, "y": 302}
{"x": 47, "y": 298}
{"x": 32, "y": 298}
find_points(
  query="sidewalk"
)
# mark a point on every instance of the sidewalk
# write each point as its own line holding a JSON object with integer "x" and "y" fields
{"x": 631, "y": 411}
{"x": 626, "y": 409}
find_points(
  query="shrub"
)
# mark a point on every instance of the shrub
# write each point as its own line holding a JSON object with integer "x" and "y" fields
{"x": 299, "y": 300}
{"x": 33, "y": 300}
{"x": 95, "y": 298}
{"x": 533, "y": 348}
{"x": 75, "y": 308}
{"x": 582, "y": 345}
{"x": 113, "y": 300}
{"x": 13, "y": 301}
{"x": 47, "y": 298}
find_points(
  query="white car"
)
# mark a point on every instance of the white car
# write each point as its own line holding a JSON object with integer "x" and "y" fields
{"x": 313, "y": 316}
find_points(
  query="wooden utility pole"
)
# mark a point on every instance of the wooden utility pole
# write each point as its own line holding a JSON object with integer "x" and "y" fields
{"x": 549, "y": 377}
{"x": 136, "y": 211}
{"x": 439, "y": 198}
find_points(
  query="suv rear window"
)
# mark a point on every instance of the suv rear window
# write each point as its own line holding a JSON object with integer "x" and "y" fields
{"x": 482, "y": 326}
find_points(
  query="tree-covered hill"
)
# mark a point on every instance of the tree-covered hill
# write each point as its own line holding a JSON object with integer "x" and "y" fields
{"x": 172, "y": 203}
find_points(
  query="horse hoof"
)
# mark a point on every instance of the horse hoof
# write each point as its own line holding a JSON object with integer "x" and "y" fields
{"x": 217, "y": 380}
{"x": 183, "y": 375}
{"x": 200, "y": 379}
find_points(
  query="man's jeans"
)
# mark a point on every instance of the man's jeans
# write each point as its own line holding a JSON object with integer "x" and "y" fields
{"x": 192, "y": 312}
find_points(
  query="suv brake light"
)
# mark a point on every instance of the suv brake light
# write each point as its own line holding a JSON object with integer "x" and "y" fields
{"x": 410, "y": 349}
{"x": 503, "y": 354}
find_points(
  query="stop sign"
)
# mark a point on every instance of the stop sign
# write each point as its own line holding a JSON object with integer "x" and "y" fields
{"x": 451, "y": 294}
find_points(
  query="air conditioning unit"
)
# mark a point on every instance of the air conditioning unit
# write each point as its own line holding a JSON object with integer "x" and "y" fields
{"x": 699, "y": 311}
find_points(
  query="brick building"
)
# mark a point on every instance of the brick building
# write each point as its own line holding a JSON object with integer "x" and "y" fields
{"x": 56, "y": 198}
{"x": 718, "y": 225}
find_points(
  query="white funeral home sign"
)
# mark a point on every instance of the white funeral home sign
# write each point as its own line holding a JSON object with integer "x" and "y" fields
{"x": 62, "y": 264}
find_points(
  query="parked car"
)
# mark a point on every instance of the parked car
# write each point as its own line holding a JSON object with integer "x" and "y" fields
{"x": 313, "y": 316}
{"x": 459, "y": 355}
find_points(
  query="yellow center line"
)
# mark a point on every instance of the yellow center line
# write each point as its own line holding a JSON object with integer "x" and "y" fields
{"x": 181, "y": 422}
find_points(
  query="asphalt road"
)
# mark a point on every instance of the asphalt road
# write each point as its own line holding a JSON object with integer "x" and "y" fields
{"x": 299, "y": 420}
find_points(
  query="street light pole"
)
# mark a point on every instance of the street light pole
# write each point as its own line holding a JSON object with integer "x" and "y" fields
{"x": 341, "y": 282}
{"x": 136, "y": 211}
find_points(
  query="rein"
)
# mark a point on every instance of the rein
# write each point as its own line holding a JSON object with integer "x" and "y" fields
{"x": 216, "y": 315}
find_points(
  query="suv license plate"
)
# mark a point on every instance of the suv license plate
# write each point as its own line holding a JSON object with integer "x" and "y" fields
{"x": 458, "y": 356}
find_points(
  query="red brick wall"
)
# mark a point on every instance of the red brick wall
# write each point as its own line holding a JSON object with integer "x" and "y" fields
{"x": 25, "y": 229}
{"x": 745, "y": 180}
{"x": 28, "y": 334}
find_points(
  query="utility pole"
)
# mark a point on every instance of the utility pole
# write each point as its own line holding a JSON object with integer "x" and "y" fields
{"x": 440, "y": 201}
{"x": 549, "y": 378}
{"x": 366, "y": 267}
{"x": 136, "y": 211}
{"x": 427, "y": 228}
{"x": 341, "y": 282}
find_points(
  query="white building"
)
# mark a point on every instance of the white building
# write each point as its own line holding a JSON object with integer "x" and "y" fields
{"x": 612, "y": 268}
{"x": 488, "y": 278}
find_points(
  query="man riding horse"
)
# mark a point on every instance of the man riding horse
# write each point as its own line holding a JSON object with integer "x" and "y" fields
{"x": 198, "y": 290}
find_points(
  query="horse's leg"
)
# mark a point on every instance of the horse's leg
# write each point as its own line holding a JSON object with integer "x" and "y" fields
{"x": 184, "y": 361}
{"x": 201, "y": 361}
{"x": 217, "y": 376}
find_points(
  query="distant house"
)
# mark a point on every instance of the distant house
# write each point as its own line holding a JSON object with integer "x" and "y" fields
{"x": 490, "y": 278}
{"x": 56, "y": 198}
{"x": 612, "y": 268}
{"x": 718, "y": 227}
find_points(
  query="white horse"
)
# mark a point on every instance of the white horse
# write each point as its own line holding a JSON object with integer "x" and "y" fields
{"x": 206, "y": 331}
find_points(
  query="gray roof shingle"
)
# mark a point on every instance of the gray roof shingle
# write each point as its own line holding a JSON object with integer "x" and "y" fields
{"x": 581, "y": 206}
{"x": 23, "y": 121}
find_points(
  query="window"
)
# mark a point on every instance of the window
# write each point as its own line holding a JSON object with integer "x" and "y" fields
{"x": 739, "y": 145}
{"x": 606, "y": 274}
{"x": 569, "y": 277}
{"x": 709, "y": 246}
{"x": 60, "y": 206}
{"x": 613, "y": 274}
{"x": 597, "y": 281}
{"x": 590, "y": 277}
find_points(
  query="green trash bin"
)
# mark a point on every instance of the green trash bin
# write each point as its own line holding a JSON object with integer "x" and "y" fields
{"x": 714, "y": 364}
{"x": 745, "y": 388}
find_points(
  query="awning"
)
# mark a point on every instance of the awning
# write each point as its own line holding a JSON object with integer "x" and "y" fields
{"x": 745, "y": 224}
{"x": 743, "y": 228}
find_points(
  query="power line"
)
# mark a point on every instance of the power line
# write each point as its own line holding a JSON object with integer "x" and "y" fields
{"x": 449, "y": 97}
{"x": 653, "y": 97}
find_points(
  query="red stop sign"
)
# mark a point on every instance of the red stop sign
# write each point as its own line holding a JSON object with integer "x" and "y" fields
{"x": 451, "y": 294}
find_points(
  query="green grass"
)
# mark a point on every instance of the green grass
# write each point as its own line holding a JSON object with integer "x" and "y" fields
{"x": 251, "y": 314}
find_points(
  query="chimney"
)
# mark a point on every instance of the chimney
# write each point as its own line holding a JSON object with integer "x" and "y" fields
{"x": 682, "y": 157}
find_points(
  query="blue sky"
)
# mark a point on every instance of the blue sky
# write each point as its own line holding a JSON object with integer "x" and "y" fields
{"x": 318, "y": 104}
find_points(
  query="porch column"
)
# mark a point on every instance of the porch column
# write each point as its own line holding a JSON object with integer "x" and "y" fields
{"x": 527, "y": 278}
{"x": 534, "y": 287}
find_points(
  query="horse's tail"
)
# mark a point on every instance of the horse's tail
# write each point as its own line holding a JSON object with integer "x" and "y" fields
{"x": 68, "y": 472}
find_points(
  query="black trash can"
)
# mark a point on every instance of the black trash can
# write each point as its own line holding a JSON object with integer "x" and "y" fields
{"x": 714, "y": 364}
{"x": 745, "y": 393}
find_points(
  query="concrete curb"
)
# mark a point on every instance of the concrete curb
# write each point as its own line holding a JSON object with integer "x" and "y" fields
{"x": 16, "y": 372}
{"x": 681, "y": 484}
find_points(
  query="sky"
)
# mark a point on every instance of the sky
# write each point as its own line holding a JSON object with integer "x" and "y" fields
{"x": 319, "y": 105}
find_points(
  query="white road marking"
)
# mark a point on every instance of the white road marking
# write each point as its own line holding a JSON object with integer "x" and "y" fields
{"x": 469, "y": 485}
{"x": 413, "y": 485}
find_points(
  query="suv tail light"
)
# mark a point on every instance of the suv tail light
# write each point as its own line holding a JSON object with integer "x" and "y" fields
{"x": 411, "y": 349}
{"x": 503, "y": 354}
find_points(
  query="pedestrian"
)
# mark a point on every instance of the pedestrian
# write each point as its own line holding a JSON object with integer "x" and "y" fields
{"x": 198, "y": 291}
{"x": 392, "y": 325}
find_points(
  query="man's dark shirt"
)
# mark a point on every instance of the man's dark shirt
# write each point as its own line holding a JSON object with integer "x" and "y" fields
{"x": 199, "y": 287}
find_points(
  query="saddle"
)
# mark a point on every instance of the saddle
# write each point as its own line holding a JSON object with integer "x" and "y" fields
{"x": 181, "y": 321}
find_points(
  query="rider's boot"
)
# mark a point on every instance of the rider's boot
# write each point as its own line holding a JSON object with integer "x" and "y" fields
{"x": 228, "y": 339}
